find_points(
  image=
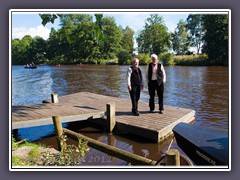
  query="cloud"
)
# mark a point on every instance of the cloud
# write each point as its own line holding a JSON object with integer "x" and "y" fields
{"x": 40, "y": 30}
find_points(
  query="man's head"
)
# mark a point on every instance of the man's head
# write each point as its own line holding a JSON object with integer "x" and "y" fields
{"x": 135, "y": 62}
{"x": 154, "y": 58}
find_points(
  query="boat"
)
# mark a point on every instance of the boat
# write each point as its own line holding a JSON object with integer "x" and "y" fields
{"x": 30, "y": 67}
{"x": 203, "y": 145}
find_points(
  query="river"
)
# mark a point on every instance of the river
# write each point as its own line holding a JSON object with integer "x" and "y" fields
{"x": 204, "y": 89}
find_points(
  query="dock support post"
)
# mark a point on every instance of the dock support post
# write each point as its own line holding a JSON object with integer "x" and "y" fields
{"x": 58, "y": 129}
{"x": 110, "y": 117}
{"x": 173, "y": 157}
{"x": 54, "y": 97}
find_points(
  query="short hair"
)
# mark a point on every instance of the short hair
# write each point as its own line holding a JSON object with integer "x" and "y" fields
{"x": 154, "y": 56}
{"x": 134, "y": 59}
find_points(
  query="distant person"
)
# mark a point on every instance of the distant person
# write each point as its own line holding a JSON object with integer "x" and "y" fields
{"x": 156, "y": 77}
{"x": 134, "y": 84}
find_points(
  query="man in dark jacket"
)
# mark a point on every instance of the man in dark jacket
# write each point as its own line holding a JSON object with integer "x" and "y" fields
{"x": 135, "y": 84}
{"x": 156, "y": 77}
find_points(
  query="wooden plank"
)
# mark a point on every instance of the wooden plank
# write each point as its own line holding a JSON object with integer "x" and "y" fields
{"x": 64, "y": 119}
{"x": 85, "y": 105}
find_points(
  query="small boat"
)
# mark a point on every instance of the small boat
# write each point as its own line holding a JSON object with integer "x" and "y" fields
{"x": 30, "y": 67}
{"x": 203, "y": 145}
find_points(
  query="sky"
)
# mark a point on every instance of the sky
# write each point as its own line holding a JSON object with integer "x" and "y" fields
{"x": 29, "y": 23}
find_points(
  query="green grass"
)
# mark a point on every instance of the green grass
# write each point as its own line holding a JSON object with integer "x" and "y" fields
{"x": 69, "y": 155}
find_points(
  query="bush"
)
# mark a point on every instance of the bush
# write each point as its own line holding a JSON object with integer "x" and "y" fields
{"x": 123, "y": 57}
{"x": 191, "y": 60}
{"x": 166, "y": 58}
{"x": 143, "y": 59}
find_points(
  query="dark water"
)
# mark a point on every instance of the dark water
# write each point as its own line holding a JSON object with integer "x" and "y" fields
{"x": 204, "y": 89}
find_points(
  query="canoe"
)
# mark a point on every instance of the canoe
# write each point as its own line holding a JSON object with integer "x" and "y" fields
{"x": 203, "y": 145}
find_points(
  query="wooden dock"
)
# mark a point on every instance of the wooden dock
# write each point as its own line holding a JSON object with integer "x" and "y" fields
{"x": 85, "y": 105}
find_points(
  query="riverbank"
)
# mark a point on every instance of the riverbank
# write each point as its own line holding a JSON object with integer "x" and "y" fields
{"x": 167, "y": 59}
{"x": 30, "y": 154}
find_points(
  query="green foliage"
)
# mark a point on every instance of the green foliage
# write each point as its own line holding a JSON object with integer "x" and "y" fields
{"x": 112, "y": 38}
{"x": 127, "y": 41}
{"x": 69, "y": 155}
{"x": 166, "y": 58}
{"x": 216, "y": 38}
{"x": 81, "y": 40}
{"x": 124, "y": 57}
{"x": 47, "y": 18}
{"x": 180, "y": 38}
{"x": 191, "y": 60}
{"x": 143, "y": 59}
{"x": 154, "y": 38}
{"x": 196, "y": 29}
{"x": 14, "y": 144}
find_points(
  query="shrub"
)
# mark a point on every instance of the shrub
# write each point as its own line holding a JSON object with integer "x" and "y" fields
{"x": 143, "y": 59}
{"x": 191, "y": 60}
{"x": 166, "y": 58}
{"x": 123, "y": 57}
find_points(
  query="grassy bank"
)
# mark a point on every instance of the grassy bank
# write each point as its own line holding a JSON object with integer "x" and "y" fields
{"x": 190, "y": 60}
{"x": 31, "y": 154}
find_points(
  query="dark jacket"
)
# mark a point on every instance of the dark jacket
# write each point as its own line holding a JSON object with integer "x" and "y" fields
{"x": 136, "y": 79}
{"x": 159, "y": 73}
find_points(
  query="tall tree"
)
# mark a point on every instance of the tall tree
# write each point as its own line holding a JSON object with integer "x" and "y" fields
{"x": 128, "y": 40}
{"x": 37, "y": 50}
{"x": 180, "y": 38}
{"x": 196, "y": 28}
{"x": 112, "y": 38}
{"x": 216, "y": 38}
{"x": 20, "y": 50}
{"x": 154, "y": 38}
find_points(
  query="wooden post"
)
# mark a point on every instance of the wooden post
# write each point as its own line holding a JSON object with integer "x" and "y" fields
{"x": 110, "y": 117}
{"x": 58, "y": 128}
{"x": 173, "y": 157}
{"x": 134, "y": 159}
{"x": 54, "y": 97}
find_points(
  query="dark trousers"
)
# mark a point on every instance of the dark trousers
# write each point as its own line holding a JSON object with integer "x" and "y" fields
{"x": 135, "y": 96}
{"x": 152, "y": 87}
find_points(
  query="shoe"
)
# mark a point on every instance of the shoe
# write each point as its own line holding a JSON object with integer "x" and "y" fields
{"x": 136, "y": 113}
{"x": 151, "y": 111}
{"x": 160, "y": 112}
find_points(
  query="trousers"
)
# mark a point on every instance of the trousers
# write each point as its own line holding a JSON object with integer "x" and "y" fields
{"x": 135, "y": 96}
{"x": 152, "y": 88}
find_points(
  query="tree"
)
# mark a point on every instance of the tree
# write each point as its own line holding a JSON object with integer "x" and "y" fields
{"x": 127, "y": 41}
{"x": 196, "y": 28}
{"x": 20, "y": 49}
{"x": 216, "y": 38}
{"x": 154, "y": 38}
{"x": 112, "y": 38}
{"x": 37, "y": 50}
{"x": 46, "y": 18}
{"x": 180, "y": 38}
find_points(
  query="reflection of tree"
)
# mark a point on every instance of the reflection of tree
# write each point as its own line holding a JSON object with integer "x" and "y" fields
{"x": 97, "y": 79}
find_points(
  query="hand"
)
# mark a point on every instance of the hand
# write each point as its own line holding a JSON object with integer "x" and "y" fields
{"x": 141, "y": 87}
{"x": 129, "y": 88}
